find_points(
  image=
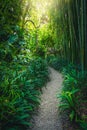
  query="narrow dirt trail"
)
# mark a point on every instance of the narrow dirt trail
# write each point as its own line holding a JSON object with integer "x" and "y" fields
{"x": 47, "y": 117}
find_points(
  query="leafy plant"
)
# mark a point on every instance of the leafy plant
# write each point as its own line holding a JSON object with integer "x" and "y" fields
{"x": 70, "y": 102}
{"x": 83, "y": 124}
{"x": 57, "y": 63}
{"x": 19, "y": 93}
{"x": 73, "y": 94}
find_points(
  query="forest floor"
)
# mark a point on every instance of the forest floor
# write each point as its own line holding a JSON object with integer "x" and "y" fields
{"x": 47, "y": 117}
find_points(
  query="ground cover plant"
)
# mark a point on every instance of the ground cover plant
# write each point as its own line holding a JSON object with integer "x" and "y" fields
{"x": 31, "y": 31}
{"x": 74, "y": 94}
{"x": 77, "y": 80}
{"x": 22, "y": 74}
{"x": 57, "y": 62}
{"x": 19, "y": 93}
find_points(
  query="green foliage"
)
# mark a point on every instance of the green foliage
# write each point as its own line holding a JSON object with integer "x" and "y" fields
{"x": 12, "y": 34}
{"x": 74, "y": 94}
{"x": 74, "y": 77}
{"x": 68, "y": 22}
{"x": 25, "y": 33}
{"x": 10, "y": 15}
{"x": 83, "y": 124}
{"x": 70, "y": 102}
{"x": 39, "y": 51}
{"x": 19, "y": 93}
{"x": 21, "y": 78}
{"x": 57, "y": 63}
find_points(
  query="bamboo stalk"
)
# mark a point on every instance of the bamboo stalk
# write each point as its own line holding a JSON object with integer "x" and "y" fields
{"x": 82, "y": 34}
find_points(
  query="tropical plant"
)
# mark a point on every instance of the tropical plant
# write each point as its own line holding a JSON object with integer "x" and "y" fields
{"x": 57, "y": 63}
{"x": 70, "y": 102}
{"x": 19, "y": 93}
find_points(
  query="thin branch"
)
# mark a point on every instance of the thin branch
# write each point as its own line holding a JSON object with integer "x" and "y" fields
{"x": 32, "y": 23}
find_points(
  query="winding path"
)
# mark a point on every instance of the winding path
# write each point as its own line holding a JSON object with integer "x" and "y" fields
{"x": 47, "y": 117}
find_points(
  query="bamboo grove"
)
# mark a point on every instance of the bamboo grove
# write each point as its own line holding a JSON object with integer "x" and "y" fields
{"x": 69, "y": 26}
{"x": 71, "y": 17}
{"x": 31, "y": 31}
{"x": 67, "y": 22}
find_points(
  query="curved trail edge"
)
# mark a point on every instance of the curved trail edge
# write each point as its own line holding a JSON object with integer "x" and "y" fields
{"x": 48, "y": 117}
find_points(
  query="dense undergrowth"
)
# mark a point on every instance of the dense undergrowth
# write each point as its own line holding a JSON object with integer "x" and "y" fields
{"x": 22, "y": 71}
{"x": 30, "y": 29}
{"x": 20, "y": 89}
{"x": 74, "y": 93}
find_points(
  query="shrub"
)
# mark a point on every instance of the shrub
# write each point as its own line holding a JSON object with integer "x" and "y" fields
{"x": 69, "y": 101}
{"x": 19, "y": 93}
{"x": 57, "y": 63}
{"x": 74, "y": 94}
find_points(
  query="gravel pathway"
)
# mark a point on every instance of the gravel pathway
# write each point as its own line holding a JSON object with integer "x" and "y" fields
{"x": 47, "y": 117}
